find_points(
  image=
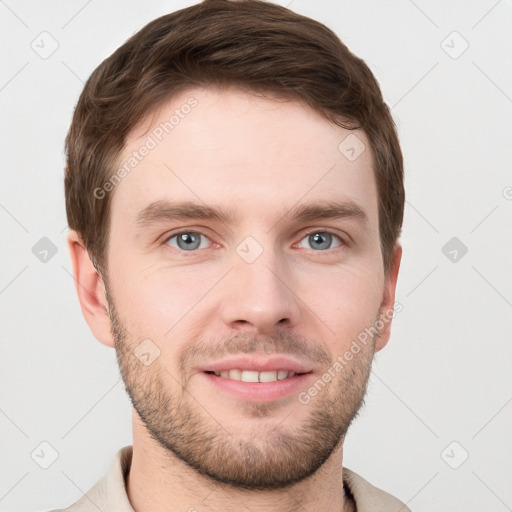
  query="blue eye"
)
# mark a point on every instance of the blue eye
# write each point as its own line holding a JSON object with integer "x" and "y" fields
{"x": 187, "y": 241}
{"x": 190, "y": 241}
{"x": 321, "y": 240}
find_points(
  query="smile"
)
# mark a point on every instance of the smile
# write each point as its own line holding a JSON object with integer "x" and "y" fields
{"x": 255, "y": 376}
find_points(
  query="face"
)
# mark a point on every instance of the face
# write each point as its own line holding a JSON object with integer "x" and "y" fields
{"x": 244, "y": 248}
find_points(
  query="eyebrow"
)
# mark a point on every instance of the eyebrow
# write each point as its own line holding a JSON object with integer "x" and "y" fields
{"x": 167, "y": 210}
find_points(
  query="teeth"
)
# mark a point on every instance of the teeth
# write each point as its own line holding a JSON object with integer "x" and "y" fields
{"x": 268, "y": 376}
{"x": 249, "y": 376}
{"x": 253, "y": 376}
{"x": 235, "y": 374}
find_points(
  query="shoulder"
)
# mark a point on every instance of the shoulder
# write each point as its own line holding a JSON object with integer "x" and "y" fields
{"x": 369, "y": 498}
{"x": 109, "y": 492}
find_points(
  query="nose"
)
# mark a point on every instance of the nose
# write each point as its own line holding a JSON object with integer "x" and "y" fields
{"x": 259, "y": 297}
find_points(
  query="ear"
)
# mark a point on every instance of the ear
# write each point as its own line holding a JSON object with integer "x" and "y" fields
{"x": 388, "y": 300}
{"x": 91, "y": 290}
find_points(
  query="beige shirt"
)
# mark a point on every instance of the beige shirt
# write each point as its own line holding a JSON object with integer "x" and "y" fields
{"x": 109, "y": 493}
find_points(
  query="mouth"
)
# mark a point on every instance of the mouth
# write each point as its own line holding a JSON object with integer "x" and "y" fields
{"x": 255, "y": 376}
{"x": 258, "y": 378}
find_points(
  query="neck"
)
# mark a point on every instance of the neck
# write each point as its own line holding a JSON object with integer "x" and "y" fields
{"x": 159, "y": 481}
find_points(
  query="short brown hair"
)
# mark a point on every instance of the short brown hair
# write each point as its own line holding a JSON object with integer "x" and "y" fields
{"x": 257, "y": 46}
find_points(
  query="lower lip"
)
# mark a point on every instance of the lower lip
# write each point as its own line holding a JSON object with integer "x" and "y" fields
{"x": 260, "y": 391}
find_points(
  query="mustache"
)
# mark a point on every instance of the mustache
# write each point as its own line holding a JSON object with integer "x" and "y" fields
{"x": 282, "y": 342}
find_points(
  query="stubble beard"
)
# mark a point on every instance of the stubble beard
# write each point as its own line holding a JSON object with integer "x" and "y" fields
{"x": 257, "y": 459}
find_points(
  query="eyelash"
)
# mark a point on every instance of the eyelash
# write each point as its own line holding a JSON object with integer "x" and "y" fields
{"x": 305, "y": 235}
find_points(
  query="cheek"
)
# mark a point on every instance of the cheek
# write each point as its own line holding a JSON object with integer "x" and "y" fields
{"x": 346, "y": 299}
{"x": 154, "y": 299}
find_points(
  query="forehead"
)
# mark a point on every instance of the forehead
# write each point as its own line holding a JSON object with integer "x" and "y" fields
{"x": 258, "y": 156}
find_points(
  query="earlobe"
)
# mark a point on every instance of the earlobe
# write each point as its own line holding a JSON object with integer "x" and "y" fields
{"x": 91, "y": 290}
{"x": 388, "y": 300}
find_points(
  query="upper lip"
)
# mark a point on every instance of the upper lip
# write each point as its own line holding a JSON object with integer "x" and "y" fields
{"x": 257, "y": 364}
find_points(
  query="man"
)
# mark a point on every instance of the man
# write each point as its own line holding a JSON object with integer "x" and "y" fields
{"x": 234, "y": 189}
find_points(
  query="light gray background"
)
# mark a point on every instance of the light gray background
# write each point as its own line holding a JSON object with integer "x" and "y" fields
{"x": 445, "y": 375}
